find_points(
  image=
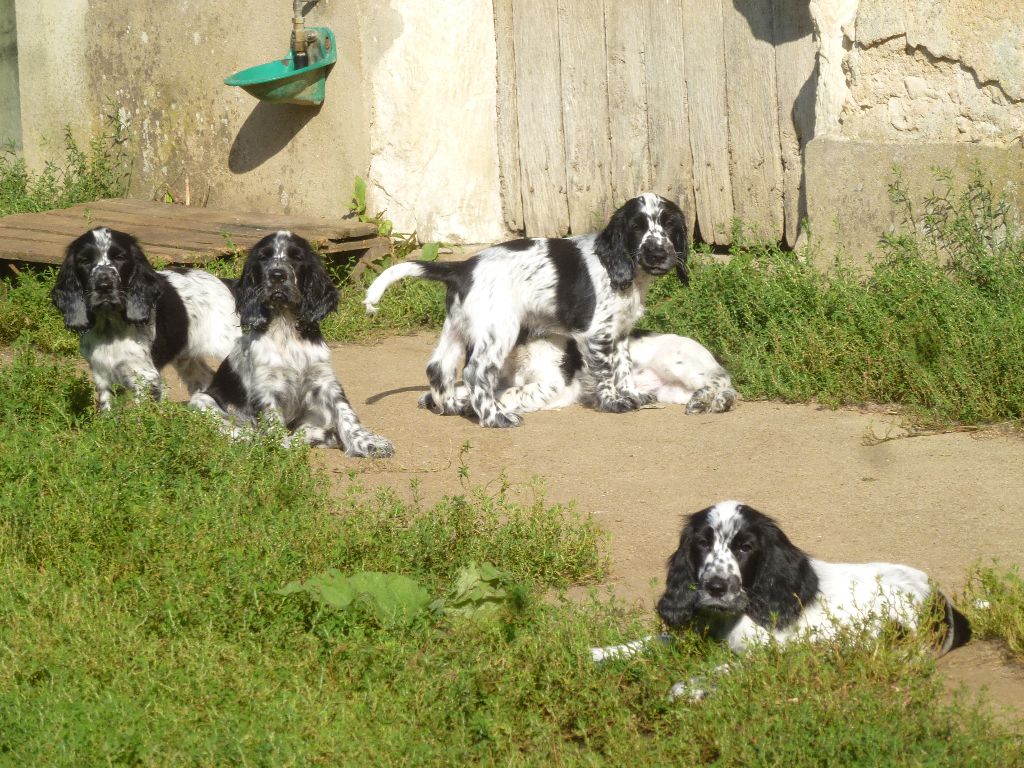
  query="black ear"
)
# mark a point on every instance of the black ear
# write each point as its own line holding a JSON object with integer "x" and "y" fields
{"x": 143, "y": 287}
{"x": 681, "y": 244}
{"x": 612, "y": 249}
{"x": 319, "y": 295}
{"x": 68, "y": 295}
{"x": 677, "y": 606}
{"x": 252, "y": 311}
{"x": 784, "y": 582}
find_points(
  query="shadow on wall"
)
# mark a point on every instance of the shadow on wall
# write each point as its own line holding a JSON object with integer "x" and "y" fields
{"x": 267, "y": 131}
{"x": 780, "y": 22}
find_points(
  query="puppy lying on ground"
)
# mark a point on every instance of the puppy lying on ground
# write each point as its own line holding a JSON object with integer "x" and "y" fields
{"x": 133, "y": 320}
{"x": 736, "y": 577}
{"x": 547, "y": 373}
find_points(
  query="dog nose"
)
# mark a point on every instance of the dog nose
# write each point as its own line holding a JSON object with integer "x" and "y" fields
{"x": 716, "y": 587}
{"x": 277, "y": 273}
{"x": 104, "y": 279}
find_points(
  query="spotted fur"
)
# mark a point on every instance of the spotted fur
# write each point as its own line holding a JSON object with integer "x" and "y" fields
{"x": 546, "y": 373}
{"x": 133, "y": 320}
{"x": 738, "y": 577}
{"x": 281, "y": 366}
{"x": 589, "y": 288}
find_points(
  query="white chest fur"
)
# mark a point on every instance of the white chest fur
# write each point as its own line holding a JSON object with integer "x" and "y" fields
{"x": 283, "y": 366}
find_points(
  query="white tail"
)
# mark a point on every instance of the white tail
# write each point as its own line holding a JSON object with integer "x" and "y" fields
{"x": 384, "y": 280}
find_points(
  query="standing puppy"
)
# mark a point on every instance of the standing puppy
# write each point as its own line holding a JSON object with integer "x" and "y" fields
{"x": 281, "y": 365}
{"x": 590, "y": 288}
{"x": 133, "y": 320}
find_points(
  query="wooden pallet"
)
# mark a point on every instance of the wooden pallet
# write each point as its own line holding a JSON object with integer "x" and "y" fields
{"x": 178, "y": 234}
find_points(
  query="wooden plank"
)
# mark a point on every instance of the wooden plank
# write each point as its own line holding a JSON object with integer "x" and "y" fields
{"x": 585, "y": 115}
{"x": 754, "y": 148}
{"x": 210, "y": 218}
{"x": 795, "y": 58}
{"x": 175, "y": 237}
{"x": 625, "y": 38}
{"x": 668, "y": 121}
{"x": 539, "y": 114}
{"x": 509, "y": 178}
{"x": 704, "y": 52}
{"x": 49, "y": 249}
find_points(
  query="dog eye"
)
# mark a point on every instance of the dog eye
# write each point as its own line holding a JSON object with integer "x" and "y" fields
{"x": 745, "y": 547}
{"x": 294, "y": 253}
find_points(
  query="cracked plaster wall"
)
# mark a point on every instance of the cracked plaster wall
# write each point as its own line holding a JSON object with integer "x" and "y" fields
{"x": 921, "y": 70}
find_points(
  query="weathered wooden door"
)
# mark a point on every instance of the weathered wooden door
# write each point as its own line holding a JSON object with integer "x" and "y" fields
{"x": 705, "y": 101}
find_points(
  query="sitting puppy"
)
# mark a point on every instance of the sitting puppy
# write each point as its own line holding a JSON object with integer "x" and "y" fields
{"x": 590, "y": 288}
{"x": 281, "y": 366}
{"x": 738, "y": 578}
{"x": 132, "y": 320}
{"x": 546, "y": 373}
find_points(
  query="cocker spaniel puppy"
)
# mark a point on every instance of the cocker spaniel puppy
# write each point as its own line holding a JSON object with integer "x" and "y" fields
{"x": 281, "y": 366}
{"x": 547, "y": 373}
{"x": 133, "y": 320}
{"x": 737, "y": 578}
{"x": 590, "y": 288}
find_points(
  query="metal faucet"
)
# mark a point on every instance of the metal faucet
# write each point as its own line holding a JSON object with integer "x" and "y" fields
{"x": 299, "y": 53}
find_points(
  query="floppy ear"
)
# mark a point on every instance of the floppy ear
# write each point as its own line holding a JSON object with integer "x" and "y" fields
{"x": 143, "y": 288}
{"x": 677, "y": 606}
{"x": 319, "y": 296}
{"x": 784, "y": 583}
{"x": 248, "y": 291}
{"x": 681, "y": 244}
{"x": 68, "y": 296}
{"x": 612, "y": 249}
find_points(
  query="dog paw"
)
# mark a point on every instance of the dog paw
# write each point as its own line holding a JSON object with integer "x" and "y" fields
{"x": 502, "y": 420}
{"x": 621, "y": 403}
{"x": 370, "y": 446}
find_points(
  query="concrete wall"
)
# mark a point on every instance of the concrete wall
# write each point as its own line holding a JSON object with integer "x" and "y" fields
{"x": 411, "y": 104}
{"x": 914, "y": 85}
{"x": 10, "y": 104}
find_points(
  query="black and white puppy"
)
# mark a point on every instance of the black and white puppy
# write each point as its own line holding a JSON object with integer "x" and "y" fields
{"x": 738, "y": 577}
{"x": 133, "y": 320}
{"x": 281, "y": 365}
{"x": 590, "y": 288}
{"x": 547, "y": 373}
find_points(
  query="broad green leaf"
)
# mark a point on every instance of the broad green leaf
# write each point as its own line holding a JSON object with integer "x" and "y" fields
{"x": 479, "y": 590}
{"x": 393, "y": 599}
{"x": 430, "y": 251}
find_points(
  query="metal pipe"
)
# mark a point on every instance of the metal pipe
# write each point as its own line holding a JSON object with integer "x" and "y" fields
{"x": 299, "y": 54}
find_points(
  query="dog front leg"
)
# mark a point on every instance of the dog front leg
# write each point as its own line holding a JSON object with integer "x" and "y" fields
{"x": 356, "y": 440}
{"x": 600, "y": 363}
{"x": 622, "y": 375}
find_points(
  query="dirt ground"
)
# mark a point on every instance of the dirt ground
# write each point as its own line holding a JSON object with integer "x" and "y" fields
{"x": 939, "y": 503}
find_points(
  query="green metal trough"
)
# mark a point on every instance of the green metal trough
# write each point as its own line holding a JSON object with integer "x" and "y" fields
{"x": 279, "y": 81}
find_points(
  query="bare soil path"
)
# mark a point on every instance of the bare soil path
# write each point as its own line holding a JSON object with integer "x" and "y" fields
{"x": 939, "y": 503}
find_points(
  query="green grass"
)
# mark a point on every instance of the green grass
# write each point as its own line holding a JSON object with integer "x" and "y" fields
{"x": 937, "y": 326}
{"x": 141, "y": 553}
{"x": 98, "y": 171}
{"x": 994, "y": 603}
